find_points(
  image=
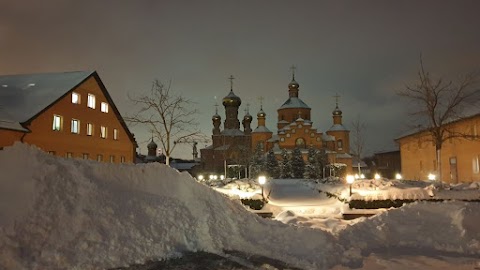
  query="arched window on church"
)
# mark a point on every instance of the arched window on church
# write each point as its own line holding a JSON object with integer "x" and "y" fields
{"x": 261, "y": 145}
{"x": 339, "y": 144}
{"x": 300, "y": 143}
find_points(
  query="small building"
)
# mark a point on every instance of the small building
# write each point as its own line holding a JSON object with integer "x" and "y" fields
{"x": 459, "y": 156}
{"x": 68, "y": 114}
{"x": 388, "y": 163}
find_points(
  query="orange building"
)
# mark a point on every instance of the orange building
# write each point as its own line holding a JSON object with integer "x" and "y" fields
{"x": 68, "y": 114}
{"x": 459, "y": 156}
{"x": 295, "y": 130}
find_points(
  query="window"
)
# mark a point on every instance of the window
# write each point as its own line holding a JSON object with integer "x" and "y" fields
{"x": 319, "y": 139}
{"x": 282, "y": 139}
{"x": 476, "y": 165}
{"x": 69, "y": 155}
{"x": 99, "y": 157}
{"x": 75, "y": 126}
{"x": 299, "y": 126}
{"x": 312, "y": 135}
{"x": 293, "y": 130}
{"x": 288, "y": 135}
{"x": 91, "y": 101}
{"x": 57, "y": 122}
{"x": 85, "y": 155}
{"x": 89, "y": 129}
{"x": 115, "y": 134}
{"x": 104, "y": 107}
{"x": 122, "y": 159}
{"x": 103, "y": 132}
{"x": 112, "y": 159}
{"x": 340, "y": 144}
{"x": 300, "y": 142}
{"x": 75, "y": 98}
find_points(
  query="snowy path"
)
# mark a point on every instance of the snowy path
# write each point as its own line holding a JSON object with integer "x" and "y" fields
{"x": 292, "y": 192}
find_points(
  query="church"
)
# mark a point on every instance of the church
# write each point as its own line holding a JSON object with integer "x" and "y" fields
{"x": 232, "y": 147}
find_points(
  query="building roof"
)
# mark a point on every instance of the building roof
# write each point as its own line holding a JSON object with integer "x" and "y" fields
{"x": 344, "y": 155}
{"x": 232, "y": 132}
{"x": 328, "y": 138}
{"x": 338, "y": 127}
{"x": 261, "y": 129}
{"x": 7, "y": 122}
{"x": 26, "y": 95}
{"x": 294, "y": 102}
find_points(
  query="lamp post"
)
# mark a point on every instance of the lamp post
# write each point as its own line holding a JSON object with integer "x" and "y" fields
{"x": 350, "y": 180}
{"x": 262, "y": 180}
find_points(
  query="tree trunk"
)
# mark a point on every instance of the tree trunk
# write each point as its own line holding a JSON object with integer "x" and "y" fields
{"x": 167, "y": 160}
{"x": 439, "y": 163}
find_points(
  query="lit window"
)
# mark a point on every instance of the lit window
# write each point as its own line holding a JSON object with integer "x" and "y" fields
{"x": 57, "y": 122}
{"x": 112, "y": 159}
{"x": 104, "y": 107}
{"x": 293, "y": 130}
{"x": 85, "y": 155}
{"x": 300, "y": 142}
{"x": 312, "y": 135}
{"x": 115, "y": 134}
{"x": 99, "y": 157}
{"x": 476, "y": 165}
{"x": 122, "y": 159}
{"x": 91, "y": 101}
{"x": 319, "y": 139}
{"x": 288, "y": 135}
{"x": 89, "y": 129}
{"x": 75, "y": 98}
{"x": 339, "y": 144}
{"x": 282, "y": 139}
{"x": 103, "y": 132}
{"x": 75, "y": 126}
{"x": 69, "y": 155}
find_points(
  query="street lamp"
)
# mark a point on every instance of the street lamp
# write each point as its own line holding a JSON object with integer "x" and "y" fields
{"x": 350, "y": 180}
{"x": 398, "y": 176}
{"x": 377, "y": 176}
{"x": 262, "y": 180}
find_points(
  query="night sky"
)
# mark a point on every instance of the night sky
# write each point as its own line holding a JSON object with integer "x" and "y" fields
{"x": 362, "y": 50}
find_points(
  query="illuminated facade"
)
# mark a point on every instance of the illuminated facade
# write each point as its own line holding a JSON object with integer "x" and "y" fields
{"x": 68, "y": 114}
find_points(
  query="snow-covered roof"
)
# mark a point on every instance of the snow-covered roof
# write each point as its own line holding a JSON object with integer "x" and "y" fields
{"x": 282, "y": 122}
{"x": 232, "y": 132}
{"x": 261, "y": 129}
{"x": 328, "y": 138}
{"x": 223, "y": 147}
{"x": 183, "y": 166}
{"x": 7, "y": 121}
{"x": 274, "y": 138}
{"x": 294, "y": 102}
{"x": 338, "y": 127}
{"x": 24, "y": 96}
{"x": 343, "y": 155}
{"x": 300, "y": 119}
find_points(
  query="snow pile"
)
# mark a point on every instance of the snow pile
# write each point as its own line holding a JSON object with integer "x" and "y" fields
{"x": 427, "y": 227}
{"x": 60, "y": 213}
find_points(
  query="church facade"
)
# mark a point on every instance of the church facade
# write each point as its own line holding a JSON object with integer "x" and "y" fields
{"x": 234, "y": 147}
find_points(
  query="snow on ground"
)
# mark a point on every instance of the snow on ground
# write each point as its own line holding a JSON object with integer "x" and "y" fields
{"x": 60, "y": 213}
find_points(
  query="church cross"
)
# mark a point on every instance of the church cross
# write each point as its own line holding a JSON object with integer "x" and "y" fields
{"x": 337, "y": 97}
{"x": 246, "y": 107}
{"x": 231, "y": 78}
{"x": 260, "y": 99}
{"x": 293, "y": 68}
{"x": 216, "y": 108}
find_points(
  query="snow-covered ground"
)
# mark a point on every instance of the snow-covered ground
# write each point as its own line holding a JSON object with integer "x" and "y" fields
{"x": 60, "y": 213}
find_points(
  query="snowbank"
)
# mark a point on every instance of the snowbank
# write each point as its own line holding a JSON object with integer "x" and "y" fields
{"x": 60, "y": 213}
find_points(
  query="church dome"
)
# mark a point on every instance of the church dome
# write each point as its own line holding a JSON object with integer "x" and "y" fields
{"x": 293, "y": 84}
{"x": 216, "y": 117}
{"x": 152, "y": 145}
{"x": 337, "y": 111}
{"x": 261, "y": 113}
{"x": 247, "y": 117}
{"x": 231, "y": 100}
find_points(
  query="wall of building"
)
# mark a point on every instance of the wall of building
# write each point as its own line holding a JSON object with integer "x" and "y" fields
{"x": 418, "y": 155}
{"x": 64, "y": 142}
{"x": 9, "y": 137}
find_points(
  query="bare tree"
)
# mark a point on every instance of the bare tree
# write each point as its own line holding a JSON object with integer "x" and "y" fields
{"x": 169, "y": 117}
{"x": 358, "y": 142}
{"x": 438, "y": 103}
